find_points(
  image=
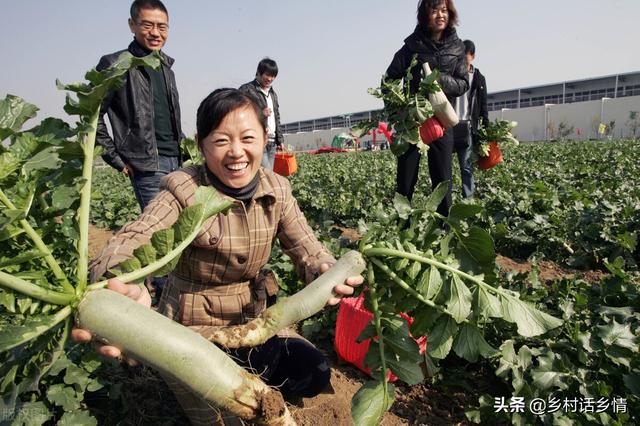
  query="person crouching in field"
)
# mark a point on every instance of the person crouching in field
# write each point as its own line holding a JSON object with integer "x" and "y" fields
{"x": 217, "y": 280}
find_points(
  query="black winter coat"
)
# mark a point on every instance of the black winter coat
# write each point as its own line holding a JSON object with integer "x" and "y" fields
{"x": 478, "y": 100}
{"x": 445, "y": 55}
{"x": 130, "y": 111}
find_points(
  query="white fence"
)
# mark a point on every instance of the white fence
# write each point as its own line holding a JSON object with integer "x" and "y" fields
{"x": 543, "y": 122}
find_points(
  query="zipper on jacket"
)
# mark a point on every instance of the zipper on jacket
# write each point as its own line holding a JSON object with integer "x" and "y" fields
{"x": 153, "y": 119}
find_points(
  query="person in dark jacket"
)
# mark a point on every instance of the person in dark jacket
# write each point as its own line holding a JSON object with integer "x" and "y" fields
{"x": 145, "y": 113}
{"x": 434, "y": 41}
{"x": 261, "y": 88}
{"x": 472, "y": 109}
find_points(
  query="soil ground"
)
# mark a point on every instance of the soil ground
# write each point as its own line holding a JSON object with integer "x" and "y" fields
{"x": 151, "y": 402}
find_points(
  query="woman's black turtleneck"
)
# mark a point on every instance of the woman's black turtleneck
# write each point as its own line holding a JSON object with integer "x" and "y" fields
{"x": 244, "y": 194}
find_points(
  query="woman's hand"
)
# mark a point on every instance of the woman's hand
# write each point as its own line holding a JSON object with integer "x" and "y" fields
{"x": 139, "y": 294}
{"x": 341, "y": 290}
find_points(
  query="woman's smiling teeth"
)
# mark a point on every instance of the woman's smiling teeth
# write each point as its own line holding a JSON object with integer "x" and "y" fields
{"x": 235, "y": 167}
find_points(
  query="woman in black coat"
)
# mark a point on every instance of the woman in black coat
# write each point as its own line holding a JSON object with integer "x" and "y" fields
{"x": 434, "y": 41}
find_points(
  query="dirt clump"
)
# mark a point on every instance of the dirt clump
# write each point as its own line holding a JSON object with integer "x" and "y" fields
{"x": 98, "y": 239}
{"x": 547, "y": 270}
{"x": 333, "y": 406}
{"x": 272, "y": 405}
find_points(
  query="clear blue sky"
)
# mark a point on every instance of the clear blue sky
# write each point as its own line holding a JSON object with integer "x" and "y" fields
{"x": 329, "y": 52}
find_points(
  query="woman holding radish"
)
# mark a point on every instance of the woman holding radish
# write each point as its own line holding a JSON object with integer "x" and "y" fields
{"x": 218, "y": 281}
{"x": 435, "y": 42}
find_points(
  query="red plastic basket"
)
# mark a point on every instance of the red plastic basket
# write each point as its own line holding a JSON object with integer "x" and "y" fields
{"x": 352, "y": 319}
{"x": 431, "y": 130}
{"x": 285, "y": 164}
{"x": 493, "y": 159}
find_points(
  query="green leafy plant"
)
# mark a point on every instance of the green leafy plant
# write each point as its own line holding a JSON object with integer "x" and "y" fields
{"x": 403, "y": 112}
{"x": 190, "y": 152}
{"x": 498, "y": 131}
{"x": 45, "y": 181}
{"x": 633, "y": 122}
{"x": 564, "y": 129}
{"x": 113, "y": 204}
{"x": 592, "y": 358}
{"x": 446, "y": 281}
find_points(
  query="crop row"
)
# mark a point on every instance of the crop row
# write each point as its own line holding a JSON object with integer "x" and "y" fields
{"x": 572, "y": 202}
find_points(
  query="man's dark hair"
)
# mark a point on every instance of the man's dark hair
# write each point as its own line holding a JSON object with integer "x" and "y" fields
{"x": 469, "y": 47}
{"x": 145, "y": 4}
{"x": 267, "y": 66}
{"x": 215, "y": 107}
{"x": 425, "y": 6}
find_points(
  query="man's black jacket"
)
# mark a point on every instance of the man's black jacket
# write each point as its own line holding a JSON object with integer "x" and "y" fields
{"x": 130, "y": 111}
{"x": 478, "y": 101}
{"x": 253, "y": 87}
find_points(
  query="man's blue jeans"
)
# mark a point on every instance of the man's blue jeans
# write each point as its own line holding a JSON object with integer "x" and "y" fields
{"x": 269, "y": 155}
{"x": 146, "y": 185}
{"x": 463, "y": 146}
{"x": 466, "y": 172}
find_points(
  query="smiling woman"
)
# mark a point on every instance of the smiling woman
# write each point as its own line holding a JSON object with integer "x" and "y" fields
{"x": 236, "y": 136}
{"x": 218, "y": 280}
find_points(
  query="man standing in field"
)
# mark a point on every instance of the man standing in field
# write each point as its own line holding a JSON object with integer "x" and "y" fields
{"x": 144, "y": 114}
{"x": 261, "y": 88}
{"x": 471, "y": 108}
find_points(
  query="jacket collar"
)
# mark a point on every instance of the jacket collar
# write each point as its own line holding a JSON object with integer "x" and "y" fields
{"x": 474, "y": 83}
{"x": 420, "y": 42}
{"x": 138, "y": 51}
{"x": 265, "y": 186}
{"x": 256, "y": 83}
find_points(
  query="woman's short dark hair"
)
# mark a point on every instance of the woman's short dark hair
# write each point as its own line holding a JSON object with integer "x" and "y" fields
{"x": 426, "y": 5}
{"x": 267, "y": 66}
{"x": 215, "y": 107}
{"x": 146, "y": 4}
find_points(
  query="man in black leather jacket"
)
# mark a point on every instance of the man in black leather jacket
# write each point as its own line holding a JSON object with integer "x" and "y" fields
{"x": 434, "y": 41}
{"x": 472, "y": 110}
{"x": 145, "y": 113}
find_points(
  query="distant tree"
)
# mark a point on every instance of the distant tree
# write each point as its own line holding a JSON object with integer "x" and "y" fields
{"x": 595, "y": 125}
{"x": 610, "y": 128}
{"x": 564, "y": 130}
{"x": 633, "y": 123}
{"x": 552, "y": 131}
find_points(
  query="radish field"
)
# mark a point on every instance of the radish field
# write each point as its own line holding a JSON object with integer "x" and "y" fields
{"x": 567, "y": 339}
{"x": 575, "y": 203}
